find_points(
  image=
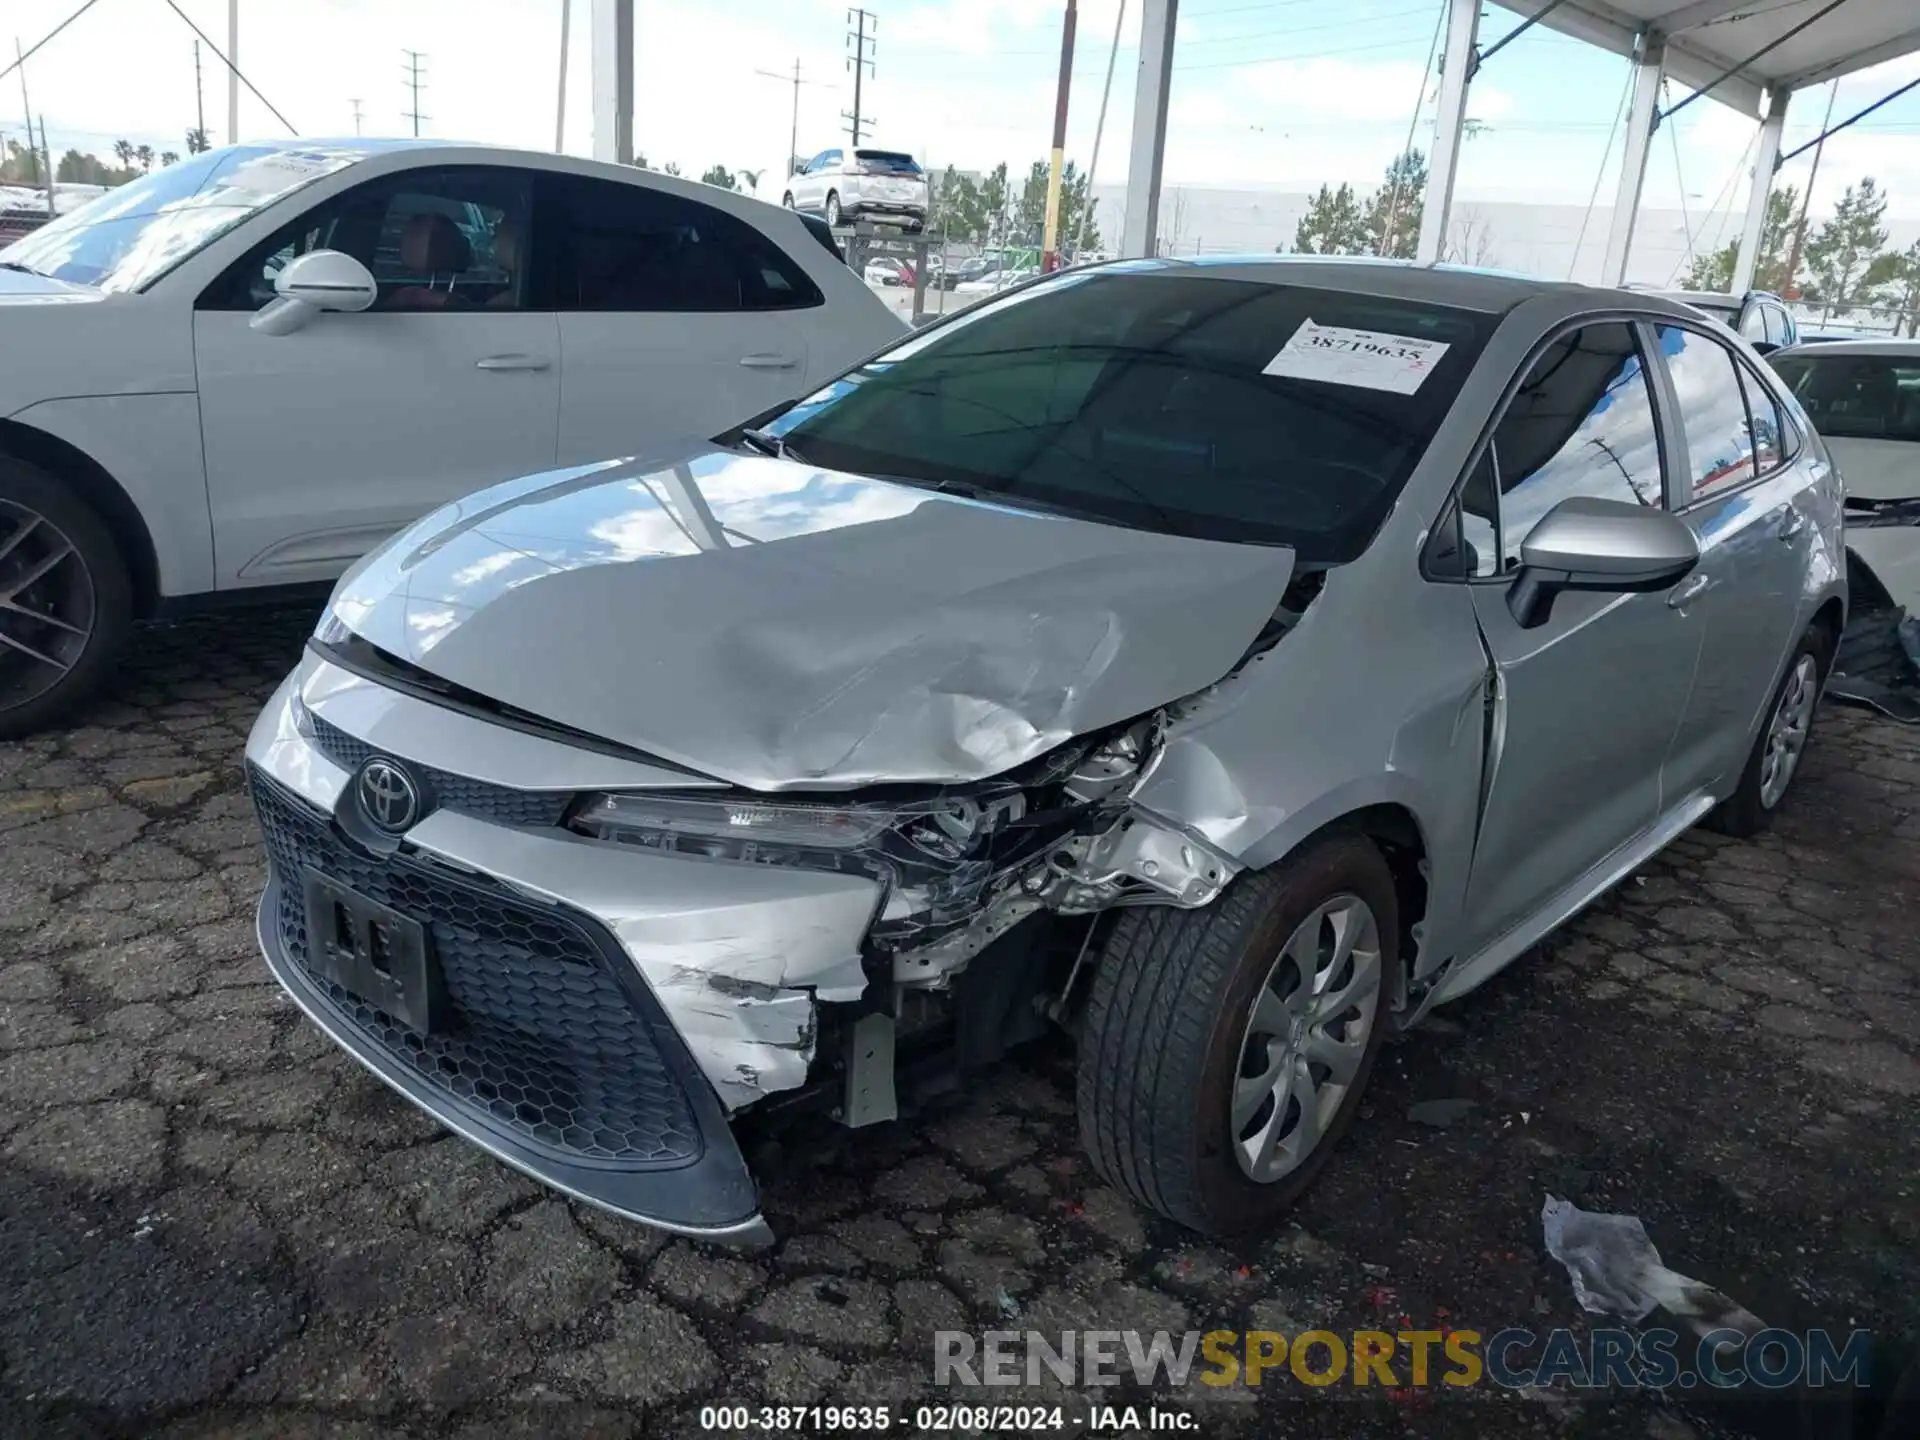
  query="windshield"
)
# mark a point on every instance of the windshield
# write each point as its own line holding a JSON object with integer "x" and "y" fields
{"x": 1191, "y": 404}
{"x": 1857, "y": 397}
{"x": 886, "y": 162}
{"x": 135, "y": 233}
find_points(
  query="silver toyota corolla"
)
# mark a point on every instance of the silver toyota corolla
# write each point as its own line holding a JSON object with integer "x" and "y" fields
{"x": 1222, "y": 662}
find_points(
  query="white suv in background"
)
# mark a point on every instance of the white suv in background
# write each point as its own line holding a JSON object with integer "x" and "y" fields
{"x": 241, "y": 372}
{"x": 861, "y": 184}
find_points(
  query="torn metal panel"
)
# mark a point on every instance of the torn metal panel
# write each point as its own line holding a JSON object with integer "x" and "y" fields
{"x": 850, "y": 631}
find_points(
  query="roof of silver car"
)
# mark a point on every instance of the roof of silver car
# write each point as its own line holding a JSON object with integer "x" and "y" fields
{"x": 1865, "y": 345}
{"x": 1464, "y": 286}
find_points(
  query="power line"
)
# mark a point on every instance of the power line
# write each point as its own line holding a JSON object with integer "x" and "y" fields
{"x": 861, "y": 65}
{"x": 34, "y": 48}
{"x": 1311, "y": 55}
{"x": 1413, "y": 123}
{"x": 233, "y": 69}
{"x": 414, "y": 57}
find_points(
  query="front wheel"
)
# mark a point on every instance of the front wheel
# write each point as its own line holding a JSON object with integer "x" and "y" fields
{"x": 833, "y": 209}
{"x": 787, "y": 200}
{"x": 1225, "y": 1050}
{"x": 65, "y": 600}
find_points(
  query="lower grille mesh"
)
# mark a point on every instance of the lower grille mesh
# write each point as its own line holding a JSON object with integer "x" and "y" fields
{"x": 544, "y": 1041}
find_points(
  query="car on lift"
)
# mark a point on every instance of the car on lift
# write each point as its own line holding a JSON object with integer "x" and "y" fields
{"x": 845, "y": 186}
{"x": 1226, "y": 662}
{"x": 233, "y": 376}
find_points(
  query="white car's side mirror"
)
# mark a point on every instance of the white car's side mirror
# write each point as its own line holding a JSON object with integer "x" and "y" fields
{"x": 319, "y": 280}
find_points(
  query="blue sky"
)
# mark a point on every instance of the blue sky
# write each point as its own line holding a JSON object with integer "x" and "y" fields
{"x": 1280, "y": 94}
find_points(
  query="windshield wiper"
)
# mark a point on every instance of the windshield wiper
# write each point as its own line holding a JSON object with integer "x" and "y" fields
{"x": 767, "y": 443}
{"x": 16, "y": 265}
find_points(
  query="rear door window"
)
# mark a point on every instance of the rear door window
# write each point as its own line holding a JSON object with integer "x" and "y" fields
{"x": 1713, "y": 411}
{"x": 631, "y": 247}
{"x": 1857, "y": 397}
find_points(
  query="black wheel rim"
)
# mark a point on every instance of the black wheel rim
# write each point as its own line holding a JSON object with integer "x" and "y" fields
{"x": 47, "y": 605}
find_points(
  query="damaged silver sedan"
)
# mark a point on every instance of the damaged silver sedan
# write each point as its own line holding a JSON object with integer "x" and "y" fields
{"x": 1220, "y": 662}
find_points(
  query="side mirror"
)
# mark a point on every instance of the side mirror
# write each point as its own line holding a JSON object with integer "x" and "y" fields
{"x": 1611, "y": 546}
{"x": 319, "y": 280}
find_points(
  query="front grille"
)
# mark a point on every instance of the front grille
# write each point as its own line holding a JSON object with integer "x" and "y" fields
{"x": 543, "y": 1041}
{"x": 446, "y": 791}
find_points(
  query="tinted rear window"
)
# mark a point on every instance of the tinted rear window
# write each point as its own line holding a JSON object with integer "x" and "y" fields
{"x": 1857, "y": 397}
{"x": 886, "y": 162}
{"x": 1141, "y": 399}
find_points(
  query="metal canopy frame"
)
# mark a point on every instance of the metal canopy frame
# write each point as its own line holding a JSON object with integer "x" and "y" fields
{"x": 1695, "y": 43}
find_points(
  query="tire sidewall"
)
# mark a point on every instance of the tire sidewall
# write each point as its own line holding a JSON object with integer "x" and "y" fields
{"x": 1349, "y": 865}
{"x": 112, "y": 593}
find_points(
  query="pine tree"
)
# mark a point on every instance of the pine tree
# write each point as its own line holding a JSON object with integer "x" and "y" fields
{"x": 1394, "y": 212}
{"x": 1715, "y": 271}
{"x": 1333, "y": 225}
{"x": 1840, "y": 252}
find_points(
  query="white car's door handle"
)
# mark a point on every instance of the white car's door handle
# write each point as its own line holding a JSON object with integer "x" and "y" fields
{"x": 768, "y": 362}
{"x": 1697, "y": 585}
{"x": 1792, "y": 525}
{"x": 513, "y": 362}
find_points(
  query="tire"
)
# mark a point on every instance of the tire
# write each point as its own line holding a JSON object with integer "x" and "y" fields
{"x": 787, "y": 200}
{"x": 832, "y": 210}
{"x": 1751, "y": 807}
{"x": 1168, "y": 1034}
{"x": 81, "y": 584}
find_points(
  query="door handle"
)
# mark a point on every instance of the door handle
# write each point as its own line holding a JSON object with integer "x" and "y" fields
{"x": 1697, "y": 584}
{"x": 768, "y": 362}
{"x": 513, "y": 362}
{"x": 1792, "y": 525}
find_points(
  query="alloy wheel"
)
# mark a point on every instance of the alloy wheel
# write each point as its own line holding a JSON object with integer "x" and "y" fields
{"x": 1787, "y": 730}
{"x": 47, "y": 605}
{"x": 1305, "y": 1038}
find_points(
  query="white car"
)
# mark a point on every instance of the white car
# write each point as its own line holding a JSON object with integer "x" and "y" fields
{"x": 1864, "y": 398}
{"x": 847, "y": 185}
{"x": 997, "y": 281}
{"x": 241, "y": 372}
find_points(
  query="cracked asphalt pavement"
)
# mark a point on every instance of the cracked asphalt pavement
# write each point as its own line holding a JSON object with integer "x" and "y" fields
{"x": 213, "y": 1224}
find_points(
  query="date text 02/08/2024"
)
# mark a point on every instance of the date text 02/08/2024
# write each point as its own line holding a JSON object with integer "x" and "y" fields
{"x": 941, "y": 1419}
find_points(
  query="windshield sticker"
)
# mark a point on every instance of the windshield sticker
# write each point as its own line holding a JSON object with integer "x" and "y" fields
{"x": 272, "y": 174}
{"x": 1369, "y": 359}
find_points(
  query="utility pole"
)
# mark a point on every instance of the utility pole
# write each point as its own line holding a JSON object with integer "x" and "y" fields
{"x": 1050, "y": 237}
{"x": 560, "y": 105}
{"x": 793, "y": 135}
{"x": 46, "y": 149}
{"x": 1099, "y": 126}
{"x": 861, "y": 37}
{"x": 26, "y": 108}
{"x": 199, "y": 93}
{"x": 233, "y": 72}
{"x": 1806, "y": 200}
{"x": 356, "y": 115}
{"x": 414, "y": 57}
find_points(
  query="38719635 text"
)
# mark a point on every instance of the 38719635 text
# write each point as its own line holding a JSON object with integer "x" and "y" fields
{"x": 932, "y": 1419}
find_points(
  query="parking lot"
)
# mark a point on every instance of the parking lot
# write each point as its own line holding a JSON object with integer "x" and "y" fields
{"x": 216, "y": 1225}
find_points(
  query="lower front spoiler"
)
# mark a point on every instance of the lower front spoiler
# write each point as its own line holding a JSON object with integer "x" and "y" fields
{"x": 710, "y": 1198}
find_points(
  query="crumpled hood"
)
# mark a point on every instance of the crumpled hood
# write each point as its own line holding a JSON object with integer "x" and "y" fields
{"x": 784, "y": 627}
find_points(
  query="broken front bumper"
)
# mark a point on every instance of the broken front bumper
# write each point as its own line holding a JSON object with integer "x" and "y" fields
{"x": 596, "y": 1010}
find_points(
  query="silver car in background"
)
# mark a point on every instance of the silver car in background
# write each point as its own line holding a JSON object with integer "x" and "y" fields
{"x": 843, "y": 186}
{"x": 1222, "y": 661}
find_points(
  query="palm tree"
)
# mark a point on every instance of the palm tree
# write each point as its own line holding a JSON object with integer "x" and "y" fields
{"x": 752, "y": 177}
{"x": 197, "y": 142}
{"x": 123, "y": 152}
{"x": 145, "y": 156}
{"x": 167, "y": 157}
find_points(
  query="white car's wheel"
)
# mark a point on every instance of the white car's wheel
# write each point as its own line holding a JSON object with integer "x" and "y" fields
{"x": 787, "y": 200}
{"x": 65, "y": 601}
{"x": 833, "y": 208}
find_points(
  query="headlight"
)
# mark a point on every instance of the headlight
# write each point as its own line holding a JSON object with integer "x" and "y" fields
{"x": 824, "y": 827}
{"x": 943, "y": 828}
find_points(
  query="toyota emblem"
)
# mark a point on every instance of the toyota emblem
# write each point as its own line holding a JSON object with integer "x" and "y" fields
{"x": 388, "y": 795}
